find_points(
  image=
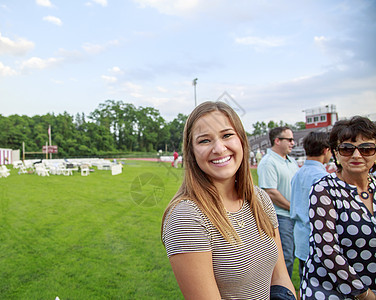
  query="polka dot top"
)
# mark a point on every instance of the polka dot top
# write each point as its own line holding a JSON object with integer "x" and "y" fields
{"x": 342, "y": 258}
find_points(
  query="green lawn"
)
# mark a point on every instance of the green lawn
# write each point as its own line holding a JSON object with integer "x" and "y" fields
{"x": 94, "y": 237}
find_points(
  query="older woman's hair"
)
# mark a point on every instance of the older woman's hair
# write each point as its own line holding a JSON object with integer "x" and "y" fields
{"x": 349, "y": 130}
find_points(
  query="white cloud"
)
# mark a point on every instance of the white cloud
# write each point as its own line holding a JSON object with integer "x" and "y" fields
{"x": 57, "y": 81}
{"x": 116, "y": 70}
{"x": 101, "y": 2}
{"x": 93, "y": 49}
{"x": 225, "y": 10}
{"x": 46, "y": 3}
{"x": 18, "y": 47}
{"x": 53, "y": 20}
{"x": 71, "y": 56}
{"x": 98, "y": 48}
{"x": 6, "y": 71}
{"x": 261, "y": 43}
{"x": 132, "y": 89}
{"x": 321, "y": 42}
{"x": 109, "y": 79}
{"x": 170, "y": 7}
{"x": 162, "y": 89}
{"x": 38, "y": 63}
{"x": 338, "y": 47}
{"x": 320, "y": 39}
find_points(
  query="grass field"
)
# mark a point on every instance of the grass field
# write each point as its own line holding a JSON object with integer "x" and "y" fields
{"x": 94, "y": 237}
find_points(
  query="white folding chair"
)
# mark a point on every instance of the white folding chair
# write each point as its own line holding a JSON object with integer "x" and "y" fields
{"x": 4, "y": 172}
{"x": 85, "y": 170}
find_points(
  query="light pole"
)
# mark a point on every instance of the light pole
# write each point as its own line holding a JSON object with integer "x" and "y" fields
{"x": 194, "y": 87}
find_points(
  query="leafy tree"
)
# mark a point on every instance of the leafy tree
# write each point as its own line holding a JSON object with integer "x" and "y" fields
{"x": 113, "y": 127}
{"x": 259, "y": 128}
{"x": 120, "y": 119}
{"x": 5, "y": 126}
{"x": 271, "y": 125}
{"x": 299, "y": 125}
{"x": 176, "y": 128}
{"x": 149, "y": 122}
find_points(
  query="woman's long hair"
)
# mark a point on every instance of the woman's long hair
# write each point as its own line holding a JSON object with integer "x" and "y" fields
{"x": 198, "y": 186}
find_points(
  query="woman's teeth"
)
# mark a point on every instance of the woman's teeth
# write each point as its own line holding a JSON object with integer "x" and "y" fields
{"x": 221, "y": 161}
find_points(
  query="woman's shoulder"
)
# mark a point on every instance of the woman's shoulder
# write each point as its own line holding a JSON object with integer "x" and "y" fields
{"x": 329, "y": 180}
{"x": 185, "y": 209}
{"x": 262, "y": 196}
{"x": 266, "y": 203}
{"x": 188, "y": 204}
{"x": 185, "y": 229}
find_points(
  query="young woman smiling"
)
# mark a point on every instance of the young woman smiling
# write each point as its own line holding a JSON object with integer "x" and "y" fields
{"x": 221, "y": 232}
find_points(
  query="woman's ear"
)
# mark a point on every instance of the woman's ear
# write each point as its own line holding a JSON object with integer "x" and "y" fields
{"x": 335, "y": 157}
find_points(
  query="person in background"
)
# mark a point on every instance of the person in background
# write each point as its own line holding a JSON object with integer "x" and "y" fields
{"x": 176, "y": 158}
{"x": 258, "y": 156}
{"x": 221, "y": 232}
{"x": 342, "y": 258}
{"x": 275, "y": 172}
{"x": 252, "y": 158}
{"x": 316, "y": 146}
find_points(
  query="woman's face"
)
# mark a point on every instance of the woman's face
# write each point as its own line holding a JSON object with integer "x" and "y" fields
{"x": 216, "y": 146}
{"x": 356, "y": 162}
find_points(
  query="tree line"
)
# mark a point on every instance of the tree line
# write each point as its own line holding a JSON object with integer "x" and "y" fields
{"x": 261, "y": 128}
{"x": 113, "y": 128}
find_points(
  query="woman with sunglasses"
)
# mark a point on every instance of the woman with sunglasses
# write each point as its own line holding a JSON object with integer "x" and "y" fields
{"x": 342, "y": 259}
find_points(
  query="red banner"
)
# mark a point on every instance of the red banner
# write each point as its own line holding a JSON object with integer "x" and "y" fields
{"x": 49, "y": 149}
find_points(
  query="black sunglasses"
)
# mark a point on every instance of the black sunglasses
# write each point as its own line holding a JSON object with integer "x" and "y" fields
{"x": 365, "y": 149}
{"x": 288, "y": 139}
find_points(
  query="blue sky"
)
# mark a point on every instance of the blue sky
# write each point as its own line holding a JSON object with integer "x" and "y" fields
{"x": 274, "y": 58}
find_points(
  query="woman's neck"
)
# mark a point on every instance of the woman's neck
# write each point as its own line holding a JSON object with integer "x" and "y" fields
{"x": 359, "y": 180}
{"x": 229, "y": 195}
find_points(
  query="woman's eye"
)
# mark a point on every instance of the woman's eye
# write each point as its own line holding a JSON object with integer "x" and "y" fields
{"x": 227, "y": 135}
{"x": 204, "y": 141}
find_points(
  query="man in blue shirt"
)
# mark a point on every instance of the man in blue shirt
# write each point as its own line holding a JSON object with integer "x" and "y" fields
{"x": 316, "y": 146}
{"x": 275, "y": 172}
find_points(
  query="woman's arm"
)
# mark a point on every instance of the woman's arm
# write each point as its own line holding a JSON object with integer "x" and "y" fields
{"x": 194, "y": 274}
{"x": 278, "y": 198}
{"x": 280, "y": 275}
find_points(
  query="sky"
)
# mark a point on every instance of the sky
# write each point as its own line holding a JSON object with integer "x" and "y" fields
{"x": 269, "y": 59}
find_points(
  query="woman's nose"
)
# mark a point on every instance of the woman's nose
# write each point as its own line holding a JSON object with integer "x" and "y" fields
{"x": 219, "y": 147}
{"x": 356, "y": 153}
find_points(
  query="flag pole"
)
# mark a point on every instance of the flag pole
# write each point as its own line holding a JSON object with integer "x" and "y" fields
{"x": 49, "y": 138}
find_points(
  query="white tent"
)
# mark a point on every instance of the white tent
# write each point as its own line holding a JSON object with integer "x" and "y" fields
{"x": 7, "y": 156}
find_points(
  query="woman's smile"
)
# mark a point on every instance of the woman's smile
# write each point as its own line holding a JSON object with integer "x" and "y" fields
{"x": 221, "y": 161}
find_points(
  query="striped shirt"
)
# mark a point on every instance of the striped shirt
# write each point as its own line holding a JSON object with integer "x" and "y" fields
{"x": 241, "y": 271}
